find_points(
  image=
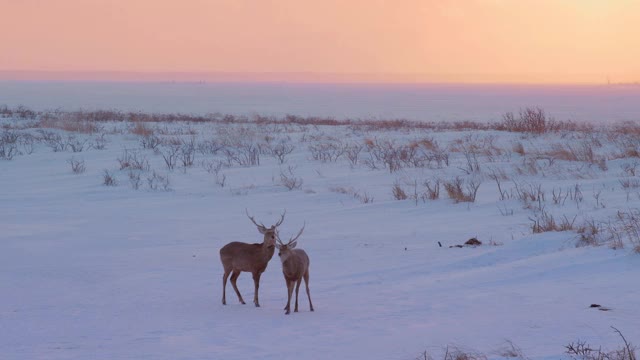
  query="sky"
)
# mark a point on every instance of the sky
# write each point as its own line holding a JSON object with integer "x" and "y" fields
{"x": 494, "y": 41}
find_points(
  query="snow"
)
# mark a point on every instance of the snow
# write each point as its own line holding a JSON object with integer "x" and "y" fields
{"x": 89, "y": 271}
{"x": 427, "y": 102}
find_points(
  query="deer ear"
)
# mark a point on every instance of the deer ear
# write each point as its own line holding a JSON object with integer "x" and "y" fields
{"x": 278, "y": 246}
{"x": 293, "y": 244}
{"x": 262, "y": 230}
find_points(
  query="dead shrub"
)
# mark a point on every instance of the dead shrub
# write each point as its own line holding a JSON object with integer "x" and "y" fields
{"x": 188, "y": 152}
{"x": 150, "y": 141}
{"x": 108, "y": 179}
{"x": 170, "y": 151}
{"x": 243, "y": 154}
{"x": 581, "y": 350}
{"x": 352, "y": 152}
{"x": 210, "y": 147}
{"x": 77, "y": 165}
{"x": 9, "y": 145}
{"x": 158, "y": 182}
{"x": 135, "y": 179}
{"x": 530, "y": 120}
{"x": 131, "y": 159}
{"x": 330, "y": 151}
{"x": 280, "y": 150}
{"x": 100, "y": 142}
{"x": 289, "y": 180}
{"x": 75, "y": 144}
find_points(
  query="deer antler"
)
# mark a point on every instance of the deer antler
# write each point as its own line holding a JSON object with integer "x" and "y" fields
{"x": 281, "y": 218}
{"x": 253, "y": 221}
{"x": 291, "y": 240}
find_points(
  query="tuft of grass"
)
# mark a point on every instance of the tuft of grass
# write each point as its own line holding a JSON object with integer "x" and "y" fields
{"x": 544, "y": 222}
{"x": 398, "y": 192}
{"x": 458, "y": 193}
{"x": 108, "y": 179}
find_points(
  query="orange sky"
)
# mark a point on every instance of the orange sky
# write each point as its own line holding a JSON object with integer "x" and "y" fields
{"x": 553, "y": 41}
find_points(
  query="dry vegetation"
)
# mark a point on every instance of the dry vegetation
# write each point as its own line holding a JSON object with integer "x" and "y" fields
{"x": 577, "y": 350}
{"x": 421, "y": 162}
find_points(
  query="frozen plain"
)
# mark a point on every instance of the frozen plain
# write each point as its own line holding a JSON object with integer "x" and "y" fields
{"x": 96, "y": 272}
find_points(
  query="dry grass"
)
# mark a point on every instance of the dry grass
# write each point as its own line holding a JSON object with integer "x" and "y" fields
{"x": 590, "y": 233}
{"x": 363, "y": 197}
{"x": 398, "y": 192}
{"x": 69, "y": 122}
{"x": 518, "y": 148}
{"x": 142, "y": 129}
{"x": 544, "y": 222}
{"x": 460, "y": 191}
{"x": 532, "y": 120}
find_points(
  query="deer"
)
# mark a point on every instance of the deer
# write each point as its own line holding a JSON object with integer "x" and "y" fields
{"x": 237, "y": 257}
{"x": 295, "y": 267}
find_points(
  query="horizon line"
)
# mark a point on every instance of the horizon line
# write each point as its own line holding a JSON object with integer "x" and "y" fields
{"x": 297, "y": 77}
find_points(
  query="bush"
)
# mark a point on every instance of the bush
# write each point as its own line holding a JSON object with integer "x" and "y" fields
{"x": 158, "y": 182}
{"x": 109, "y": 179}
{"x": 289, "y": 180}
{"x": 580, "y": 350}
{"x": 77, "y": 166}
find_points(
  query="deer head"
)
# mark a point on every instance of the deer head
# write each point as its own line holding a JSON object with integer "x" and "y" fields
{"x": 284, "y": 250}
{"x": 270, "y": 234}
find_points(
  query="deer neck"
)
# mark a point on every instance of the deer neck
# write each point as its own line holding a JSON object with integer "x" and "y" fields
{"x": 267, "y": 253}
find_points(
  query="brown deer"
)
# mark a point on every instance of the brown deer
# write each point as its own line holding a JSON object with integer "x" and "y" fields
{"x": 238, "y": 256}
{"x": 295, "y": 267}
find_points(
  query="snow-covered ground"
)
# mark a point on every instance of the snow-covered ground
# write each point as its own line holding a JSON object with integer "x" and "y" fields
{"x": 89, "y": 271}
{"x": 421, "y": 102}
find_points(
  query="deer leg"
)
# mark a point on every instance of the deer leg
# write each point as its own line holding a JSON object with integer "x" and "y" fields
{"x": 286, "y": 282}
{"x": 289, "y": 293}
{"x": 234, "y": 277}
{"x": 256, "y": 281}
{"x": 224, "y": 286}
{"x": 306, "y": 284}
{"x": 297, "y": 289}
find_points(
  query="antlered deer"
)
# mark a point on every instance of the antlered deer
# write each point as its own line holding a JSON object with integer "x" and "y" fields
{"x": 295, "y": 267}
{"x": 238, "y": 256}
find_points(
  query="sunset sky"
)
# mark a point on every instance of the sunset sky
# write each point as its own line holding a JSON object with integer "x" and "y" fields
{"x": 533, "y": 41}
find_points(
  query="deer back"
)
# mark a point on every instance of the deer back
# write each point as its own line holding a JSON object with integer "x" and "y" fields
{"x": 295, "y": 265}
